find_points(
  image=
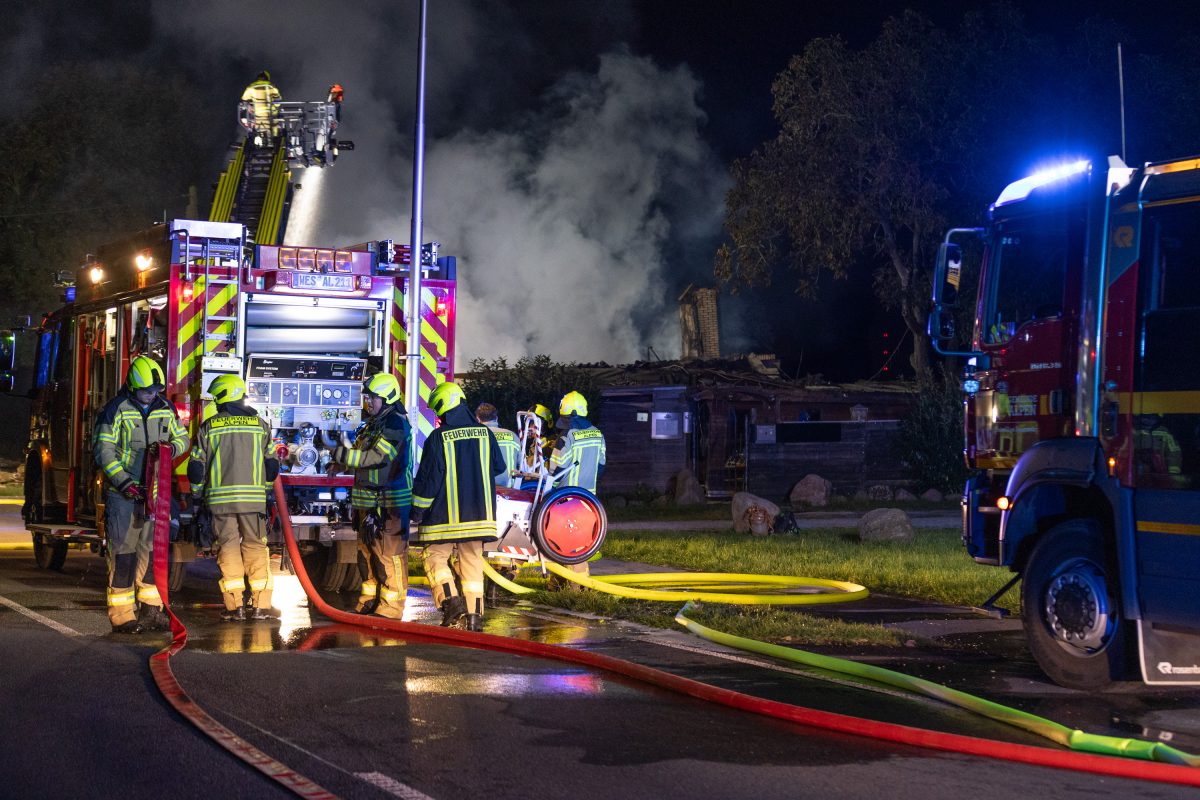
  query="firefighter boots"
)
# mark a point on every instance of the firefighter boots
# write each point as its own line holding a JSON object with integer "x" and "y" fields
{"x": 127, "y": 627}
{"x": 474, "y": 622}
{"x": 453, "y": 609}
{"x": 233, "y": 615}
{"x": 153, "y": 618}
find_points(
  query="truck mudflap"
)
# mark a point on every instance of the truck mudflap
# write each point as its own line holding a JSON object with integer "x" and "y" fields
{"x": 982, "y": 545}
{"x": 1169, "y": 657}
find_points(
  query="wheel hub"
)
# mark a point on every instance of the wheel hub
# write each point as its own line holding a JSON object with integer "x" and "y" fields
{"x": 1077, "y": 607}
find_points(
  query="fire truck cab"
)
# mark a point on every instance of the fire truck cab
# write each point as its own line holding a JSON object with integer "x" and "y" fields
{"x": 1082, "y": 413}
{"x": 302, "y": 325}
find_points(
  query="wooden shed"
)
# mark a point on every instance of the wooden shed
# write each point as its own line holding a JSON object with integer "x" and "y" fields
{"x": 748, "y": 432}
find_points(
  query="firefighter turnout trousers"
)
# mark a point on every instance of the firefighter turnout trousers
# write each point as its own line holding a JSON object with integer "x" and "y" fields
{"x": 130, "y": 539}
{"x": 242, "y": 553}
{"x": 383, "y": 565}
{"x": 470, "y": 571}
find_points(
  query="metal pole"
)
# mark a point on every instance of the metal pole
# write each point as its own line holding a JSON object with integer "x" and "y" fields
{"x": 1121, "y": 81}
{"x": 412, "y": 366}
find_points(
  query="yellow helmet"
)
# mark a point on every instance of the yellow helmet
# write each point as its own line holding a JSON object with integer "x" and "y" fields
{"x": 145, "y": 373}
{"x": 384, "y": 386}
{"x": 208, "y": 411}
{"x": 227, "y": 388}
{"x": 573, "y": 403}
{"x": 446, "y": 396}
{"x": 546, "y": 414}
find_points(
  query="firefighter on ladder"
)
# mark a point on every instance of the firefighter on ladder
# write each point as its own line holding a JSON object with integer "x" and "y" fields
{"x": 487, "y": 414}
{"x": 231, "y": 467}
{"x": 136, "y": 418}
{"x": 454, "y": 505}
{"x": 259, "y": 102}
{"x": 579, "y": 449}
{"x": 381, "y": 496}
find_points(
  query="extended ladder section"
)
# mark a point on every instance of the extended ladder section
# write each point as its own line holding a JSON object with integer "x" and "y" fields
{"x": 256, "y": 187}
{"x": 255, "y": 190}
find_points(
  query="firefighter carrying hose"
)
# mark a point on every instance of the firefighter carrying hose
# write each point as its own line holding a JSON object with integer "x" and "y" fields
{"x": 136, "y": 418}
{"x": 580, "y": 449}
{"x": 232, "y": 467}
{"x": 381, "y": 496}
{"x": 487, "y": 414}
{"x": 454, "y": 505}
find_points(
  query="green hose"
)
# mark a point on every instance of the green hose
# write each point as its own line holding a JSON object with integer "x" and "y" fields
{"x": 741, "y": 584}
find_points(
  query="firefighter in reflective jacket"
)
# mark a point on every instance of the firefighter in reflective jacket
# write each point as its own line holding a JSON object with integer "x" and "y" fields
{"x": 487, "y": 414}
{"x": 580, "y": 450}
{"x": 381, "y": 496}
{"x": 232, "y": 466}
{"x": 454, "y": 505}
{"x": 260, "y": 98}
{"x": 136, "y": 418}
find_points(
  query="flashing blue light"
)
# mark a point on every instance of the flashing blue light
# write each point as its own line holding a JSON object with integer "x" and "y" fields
{"x": 1019, "y": 190}
{"x": 69, "y": 295}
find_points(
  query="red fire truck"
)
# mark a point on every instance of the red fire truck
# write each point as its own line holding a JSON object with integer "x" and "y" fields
{"x": 302, "y": 326}
{"x": 1082, "y": 413}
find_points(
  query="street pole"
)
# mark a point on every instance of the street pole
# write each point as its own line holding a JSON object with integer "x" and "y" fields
{"x": 412, "y": 366}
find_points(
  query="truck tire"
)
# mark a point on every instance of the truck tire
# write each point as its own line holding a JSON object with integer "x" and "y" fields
{"x": 49, "y": 553}
{"x": 175, "y": 570}
{"x": 569, "y": 525}
{"x": 1071, "y": 608}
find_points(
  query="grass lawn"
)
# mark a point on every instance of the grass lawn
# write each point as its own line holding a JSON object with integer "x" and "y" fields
{"x": 720, "y": 510}
{"x": 934, "y": 567}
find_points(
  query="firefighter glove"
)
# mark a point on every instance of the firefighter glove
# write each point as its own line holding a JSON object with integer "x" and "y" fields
{"x": 371, "y": 530}
{"x": 134, "y": 491}
{"x": 204, "y": 529}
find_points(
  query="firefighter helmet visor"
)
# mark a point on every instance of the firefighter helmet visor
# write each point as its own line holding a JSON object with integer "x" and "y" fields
{"x": 227, "y": 389}
{"x": 445, "y": 397}
{"x": 384, "y": 386}
{"x": 145, "y": 373}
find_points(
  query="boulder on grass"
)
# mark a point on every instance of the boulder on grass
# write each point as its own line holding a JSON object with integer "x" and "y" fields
{"x": 885, "y": 525}
{"x": 812, "y": 490}
{"x": 688, "y": 491}
{"x": 932, "y": 495}
{"x": 879, "y": 492}
{"x": 904, "y": 496}
{"x": 741, "y": 505}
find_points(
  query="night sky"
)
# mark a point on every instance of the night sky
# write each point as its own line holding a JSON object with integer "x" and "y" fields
{"x": 577, "y": 151}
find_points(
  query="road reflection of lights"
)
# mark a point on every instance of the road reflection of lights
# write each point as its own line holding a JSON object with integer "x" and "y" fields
{"x": 289, "y": 600}
{"x": 500, "y": 685}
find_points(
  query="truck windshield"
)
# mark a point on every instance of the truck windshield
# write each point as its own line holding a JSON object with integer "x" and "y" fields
{"x": 1027, "y": 267}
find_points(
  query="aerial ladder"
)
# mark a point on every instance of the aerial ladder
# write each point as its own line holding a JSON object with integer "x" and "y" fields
{"x": 256, "y": 186}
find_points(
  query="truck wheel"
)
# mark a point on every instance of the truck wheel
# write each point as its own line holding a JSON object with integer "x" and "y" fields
{"x": 1071, "y": 609}
{"x": 49, "y": 553}
{"x": 175, "y": 571}
{"x": 569, "y": 525}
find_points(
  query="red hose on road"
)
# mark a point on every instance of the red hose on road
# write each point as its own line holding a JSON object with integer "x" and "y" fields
{"x": 885, "y": 731}
{"x": 159, "y": 472}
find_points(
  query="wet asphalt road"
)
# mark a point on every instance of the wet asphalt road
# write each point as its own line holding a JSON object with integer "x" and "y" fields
{"x": 374, "y": 716}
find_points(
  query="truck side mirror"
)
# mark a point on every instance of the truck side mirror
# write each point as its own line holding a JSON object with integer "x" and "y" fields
{"x": 941, "y": 326}
{"x": 947, "y": 275}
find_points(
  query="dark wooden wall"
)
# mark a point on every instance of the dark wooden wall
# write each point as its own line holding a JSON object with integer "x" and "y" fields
{"x": 634, "y": 458}
{"x": 865, "y": 456}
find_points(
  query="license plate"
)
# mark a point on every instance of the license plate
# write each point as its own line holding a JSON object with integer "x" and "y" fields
{"x": 323, "y": 283}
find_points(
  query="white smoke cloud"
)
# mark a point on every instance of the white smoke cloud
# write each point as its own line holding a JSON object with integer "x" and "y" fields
{"x": 562, "y": 235}
{"x": 561, "y": 211}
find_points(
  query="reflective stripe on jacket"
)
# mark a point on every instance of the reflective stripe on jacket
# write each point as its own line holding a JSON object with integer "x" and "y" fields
{"x": 379, "y": 458}
{"x": 123, "y": 432}
{"x": 454, "y": 494}
{"x": 229, "y": 454}
{"x": 581, "y": 451}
